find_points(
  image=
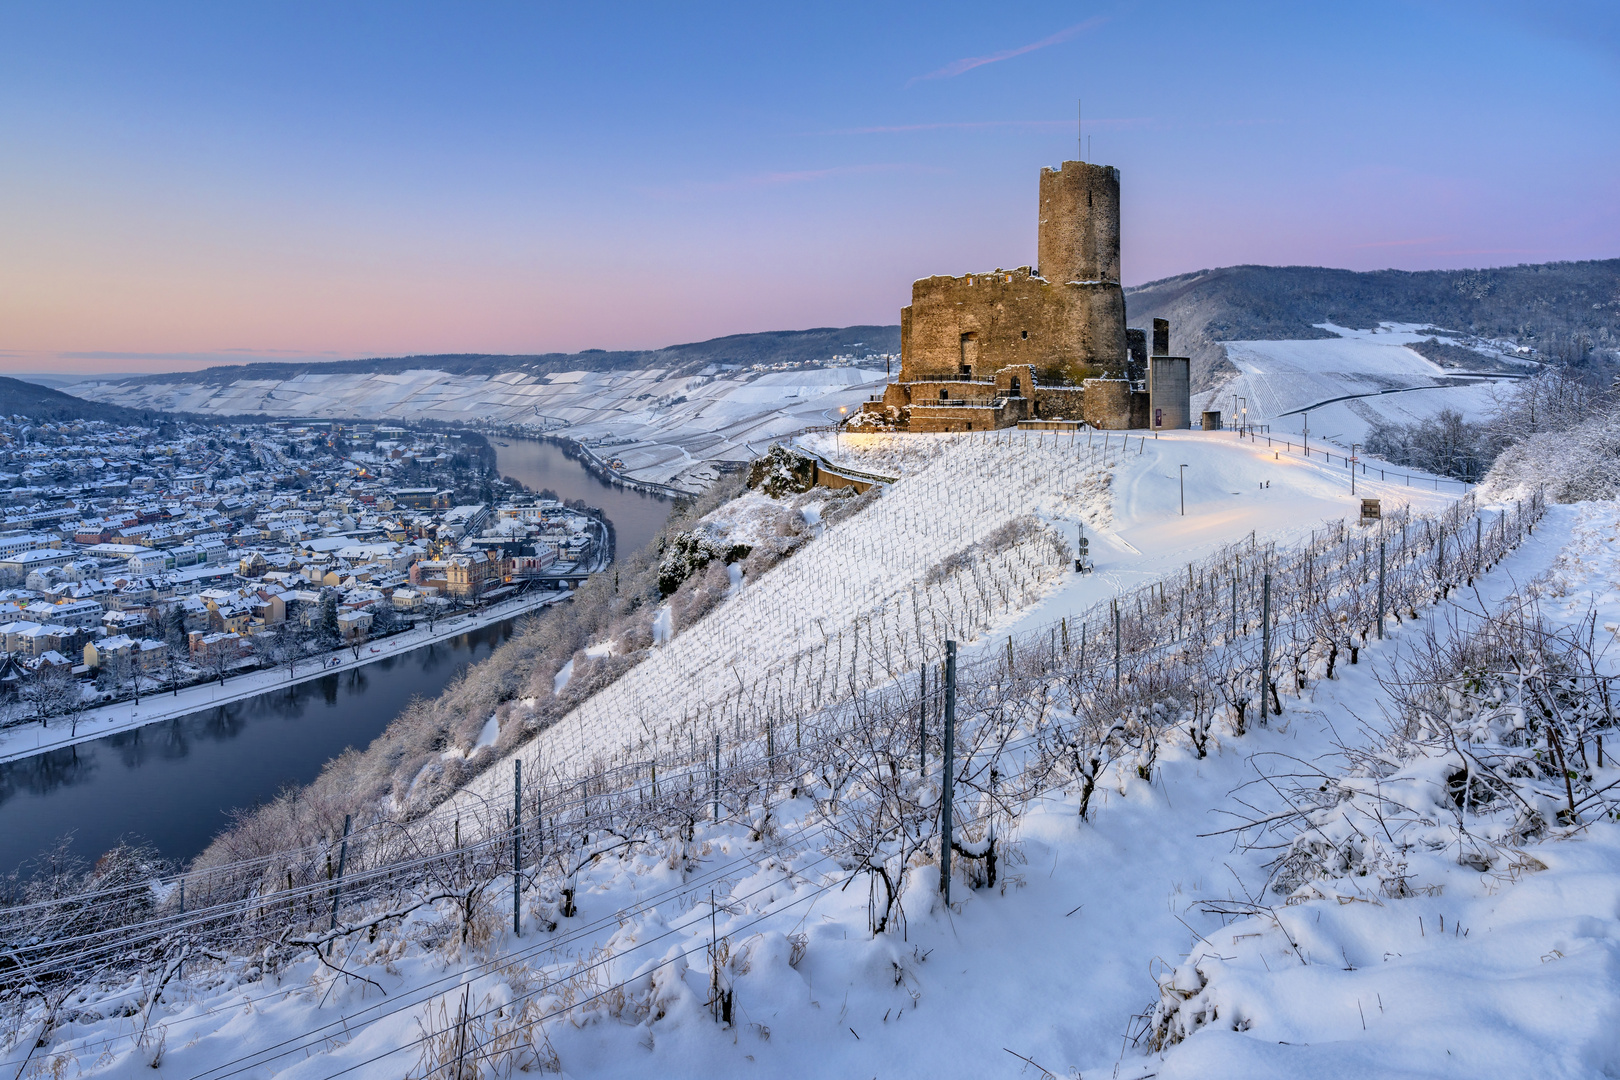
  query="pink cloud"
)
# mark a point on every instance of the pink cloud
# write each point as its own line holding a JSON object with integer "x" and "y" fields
{"x": 968, "y": 63}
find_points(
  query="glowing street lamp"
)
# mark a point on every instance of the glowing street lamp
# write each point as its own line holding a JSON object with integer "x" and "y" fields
{"x": 838, "y": 431}
{"x": 1244, "y": 429}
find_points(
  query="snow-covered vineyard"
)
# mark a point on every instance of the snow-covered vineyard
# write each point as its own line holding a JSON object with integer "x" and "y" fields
{"x": 1312, "y": 797}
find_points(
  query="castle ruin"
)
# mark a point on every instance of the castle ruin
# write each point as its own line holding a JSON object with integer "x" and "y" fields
{"x": 1046, "y": 343}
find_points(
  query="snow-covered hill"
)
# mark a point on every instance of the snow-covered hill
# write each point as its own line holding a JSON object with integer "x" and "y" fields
{"x": 938, "y": 556}
{"x": 1117, "y": 905}
{"x": 662, "y": 424}
{"x": 1343, "y": 385}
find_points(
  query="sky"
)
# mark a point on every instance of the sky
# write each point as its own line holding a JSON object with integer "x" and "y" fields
{"x": 190, "y": 184}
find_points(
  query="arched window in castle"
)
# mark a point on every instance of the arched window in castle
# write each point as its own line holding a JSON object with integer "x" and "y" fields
{"x": 970, "y": 354}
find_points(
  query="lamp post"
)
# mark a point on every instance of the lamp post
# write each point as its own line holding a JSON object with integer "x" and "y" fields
{"x": 1307, "y": 434}
{"x": 838, "y": 430}
{"x": 1183, "y": 475}
{"x": 1244, "y": 429}
{"x": 1354, "y": 447}
{"x": 1235, "y": 415}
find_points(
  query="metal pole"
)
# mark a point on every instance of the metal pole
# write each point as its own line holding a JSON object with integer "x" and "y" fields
{"x": 1380, "y": 588}
{"x": 337, "y": 887}
{"x": 948, "y": 772}
{"x": 517, "y": 846}
{"x": 717, "y": 776}
{"x": 1116, "y": 646}
{"x": 1234, "y": 606}
{"x": 1183, "y": 491}
{"x": 1265, "y": 645}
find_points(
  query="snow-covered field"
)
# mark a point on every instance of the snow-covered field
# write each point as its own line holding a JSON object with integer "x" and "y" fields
{"x": 1497, "y": 974}
{"x": 744, "y": 945}
{"x": 1347, "y": 383}
{"x": 662, "y": 425}
{"x": 864, "y": 602}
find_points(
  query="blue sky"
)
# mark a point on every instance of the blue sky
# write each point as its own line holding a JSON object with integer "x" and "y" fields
{"x": 181, "y": 184}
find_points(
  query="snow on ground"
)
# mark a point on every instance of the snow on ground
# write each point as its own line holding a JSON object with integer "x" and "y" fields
{"x": 660, "y": 424}
{"x": 858, "y": 602}
{"x": 1382, "y": 379}
{"x": 1495, "y": 975}
{"x": 867, "y": 592}
{"x": 30, "y": 739}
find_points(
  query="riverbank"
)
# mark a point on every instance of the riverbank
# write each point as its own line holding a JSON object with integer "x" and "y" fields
{"x": 31, "y": 739}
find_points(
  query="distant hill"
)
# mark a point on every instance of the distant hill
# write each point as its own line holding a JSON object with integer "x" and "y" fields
{"x": 19, "y": 398}
{"x": 772, "y": 347}
{"x": 1567, "y": 311}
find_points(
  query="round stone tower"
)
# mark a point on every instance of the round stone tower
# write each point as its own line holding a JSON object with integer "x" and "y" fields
{"x": 1078, "y": 251}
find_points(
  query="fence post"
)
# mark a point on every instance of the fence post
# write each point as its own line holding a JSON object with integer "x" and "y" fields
{"x": 948, "y": 773}
{"x": 517, "y": 846}
{"x": 717, "y": 776}
{"x": 1265, "y": 646}
{"x": 1380, "y": 589}
{"x": 1116, "y": 646}
{"x": 337, "y": 886}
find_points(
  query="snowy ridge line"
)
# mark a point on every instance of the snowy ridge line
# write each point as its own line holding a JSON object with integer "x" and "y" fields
{"x": 1134, "y": 737}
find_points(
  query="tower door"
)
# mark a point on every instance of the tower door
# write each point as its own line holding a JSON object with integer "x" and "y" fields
{"x": 970, "y": 354}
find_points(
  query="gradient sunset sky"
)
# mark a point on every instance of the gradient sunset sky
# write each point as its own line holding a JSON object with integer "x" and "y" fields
{"x": 191, "y": 184}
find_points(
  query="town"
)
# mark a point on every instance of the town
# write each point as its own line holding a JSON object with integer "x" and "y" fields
{"x": 138, "y": 559}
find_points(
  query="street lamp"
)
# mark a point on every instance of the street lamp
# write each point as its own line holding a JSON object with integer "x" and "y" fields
{"x": 1307, "y": 434}
{"x": 1183, "y": 475}
{"x": 1355, "y": 446}
{"x": 1244, "y": 430}
{"x": 838, "y": 430}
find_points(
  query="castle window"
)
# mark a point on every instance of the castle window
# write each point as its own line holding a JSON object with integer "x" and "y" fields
{"x": 1026, "y": 335}
{"x": 1015, "y": 390}
{"x": 943, "y": 393}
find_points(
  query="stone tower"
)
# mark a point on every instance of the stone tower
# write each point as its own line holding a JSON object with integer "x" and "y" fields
{"x": 1078, "y": 239}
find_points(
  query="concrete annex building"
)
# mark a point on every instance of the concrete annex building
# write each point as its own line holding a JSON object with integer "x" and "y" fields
{"x": 988, "y": 351}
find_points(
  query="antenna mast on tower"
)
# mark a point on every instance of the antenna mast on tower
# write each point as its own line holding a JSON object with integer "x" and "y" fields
{"x": 1080, "y": 129}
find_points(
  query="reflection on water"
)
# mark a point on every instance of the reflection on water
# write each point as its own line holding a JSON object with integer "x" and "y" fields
{"x": 636, "y": 516}
{"x": 175, "y": 783}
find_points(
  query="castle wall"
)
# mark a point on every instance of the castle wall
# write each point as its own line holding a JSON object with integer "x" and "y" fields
{"x": 1108, "y": 404}
{"x": 987, "y": 322}
{"x": 1060, "y": 402}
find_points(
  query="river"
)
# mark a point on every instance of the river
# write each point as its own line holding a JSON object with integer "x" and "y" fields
{"x": 636, "y": 516}
{"x": 175, "y": 784}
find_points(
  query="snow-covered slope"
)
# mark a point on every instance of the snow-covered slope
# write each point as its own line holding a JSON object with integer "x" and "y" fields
{"x": 661, "y": 424}
{"x": 863, "y": 603}
{"x": 1051, "y": 972}
{"x": 1348, "y": 383}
